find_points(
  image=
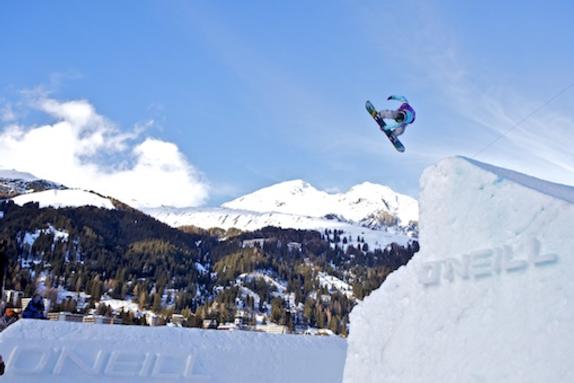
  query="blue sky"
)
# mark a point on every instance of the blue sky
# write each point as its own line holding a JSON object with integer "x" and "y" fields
{"x": 253, "y": 93}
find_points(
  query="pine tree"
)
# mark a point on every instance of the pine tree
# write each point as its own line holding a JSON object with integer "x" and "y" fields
{"x": 142, "y": 301}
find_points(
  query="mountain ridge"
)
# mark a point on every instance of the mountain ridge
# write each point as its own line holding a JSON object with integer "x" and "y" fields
{"x": 368, "y": 210}
{"x": 371, "y": 211}
{"x": 301, "y": 198}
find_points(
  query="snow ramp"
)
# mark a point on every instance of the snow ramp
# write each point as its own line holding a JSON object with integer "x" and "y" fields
{"x": 51, "y": 351}
{"x": 489, "y": 298}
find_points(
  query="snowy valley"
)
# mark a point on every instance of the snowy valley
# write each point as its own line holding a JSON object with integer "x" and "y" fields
{"x": 226, "y": 268}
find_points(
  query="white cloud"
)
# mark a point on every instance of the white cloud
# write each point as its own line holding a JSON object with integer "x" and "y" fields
{"x": 7, "y": 113}
{"x": 79, "y": 146}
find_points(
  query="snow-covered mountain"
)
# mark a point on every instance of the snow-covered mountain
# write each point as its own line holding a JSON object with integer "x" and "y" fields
{"x": 13, "y": 174}
{"x": 373, "y": 212}
{"x": 22, "y": 188}
{"x": 363, "y": 202}
{"x": 488, "y": 298}
{"x": 13, "y": 183}
{"x": 65, "y": 198}
{"x": 250, "y": 221}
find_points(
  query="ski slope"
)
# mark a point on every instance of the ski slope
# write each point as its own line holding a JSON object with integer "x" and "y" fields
{"x": 65, "y": 352}
{"x": 64, "y": 198}
{"x": 489, "y": 296}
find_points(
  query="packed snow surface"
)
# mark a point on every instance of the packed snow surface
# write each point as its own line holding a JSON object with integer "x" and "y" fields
{"x": 65, "y": 198}
{"x": 489, "y": 296}
{"x": 51, "y": 351}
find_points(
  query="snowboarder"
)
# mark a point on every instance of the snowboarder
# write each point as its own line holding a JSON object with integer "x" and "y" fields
{"x": 402, "y": 117}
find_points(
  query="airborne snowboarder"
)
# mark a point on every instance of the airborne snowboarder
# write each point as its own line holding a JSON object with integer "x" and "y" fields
{"x": 400, "y": 118}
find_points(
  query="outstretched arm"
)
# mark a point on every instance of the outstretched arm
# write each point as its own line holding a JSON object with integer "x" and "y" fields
{"x": 398, "y": 98}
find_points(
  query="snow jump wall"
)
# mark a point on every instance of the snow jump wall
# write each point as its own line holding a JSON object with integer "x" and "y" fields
{"x": 46, "y": 351}
{"x": 490, "y": 296}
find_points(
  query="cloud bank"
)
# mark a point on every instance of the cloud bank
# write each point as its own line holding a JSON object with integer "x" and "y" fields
{"x": 84, "y": 149}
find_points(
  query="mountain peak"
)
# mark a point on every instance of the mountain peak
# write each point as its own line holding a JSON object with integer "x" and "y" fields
{"x": 12, "y": 174}
{"x": 369, "y": 187}
{"x": 301, "y": 198}
{"x": 280, "y": 197}
{"x": 297, "y": 186}
{"x": 14, "y": 183}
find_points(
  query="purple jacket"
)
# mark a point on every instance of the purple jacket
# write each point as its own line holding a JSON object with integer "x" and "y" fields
{"x": 410, "y": 114}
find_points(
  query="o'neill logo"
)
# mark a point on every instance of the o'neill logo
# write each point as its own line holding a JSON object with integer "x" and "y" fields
{"x": 485, "y": 263}
{"x": 99, "y": 363}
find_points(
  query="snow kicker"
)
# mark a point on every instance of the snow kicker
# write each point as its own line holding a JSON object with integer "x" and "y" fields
{"x": 489, "y": 296}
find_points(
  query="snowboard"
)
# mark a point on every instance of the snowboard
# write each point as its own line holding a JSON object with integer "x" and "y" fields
{"x": 395, "y": 141}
